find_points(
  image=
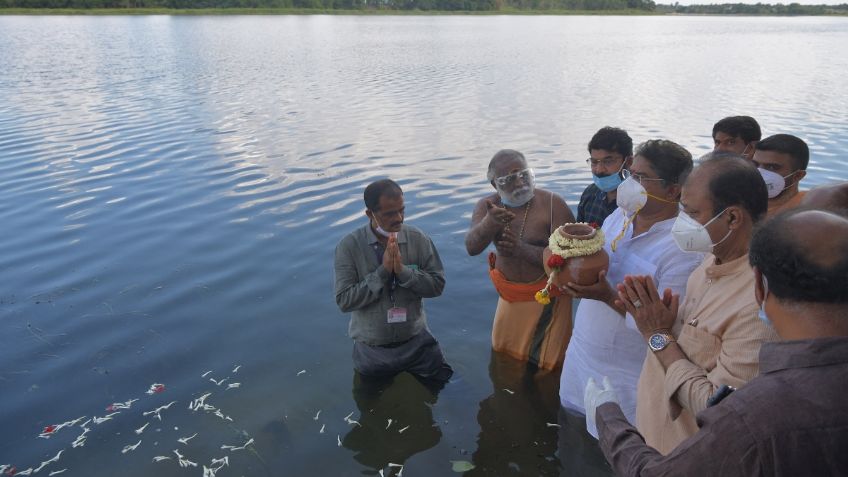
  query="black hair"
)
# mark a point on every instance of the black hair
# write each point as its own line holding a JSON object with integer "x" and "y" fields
{"x": 787, "y": 265}
{"x": 735, "y": 181}
{"x": 669, "y": 160}
{"x": 787, "y": 144}
{"x": 612, "y": 139}
{"x": 744, "y": 127}
{"x": 380, "y": 188}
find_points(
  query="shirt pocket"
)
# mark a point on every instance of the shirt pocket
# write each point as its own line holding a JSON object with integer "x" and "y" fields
{"x": 701, "y": 346}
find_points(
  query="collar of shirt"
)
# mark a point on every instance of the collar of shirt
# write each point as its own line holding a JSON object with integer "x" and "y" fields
{"x": 733, "y": 267}
{"x": 372, "y": 238}
{"x": 782, "y": 355}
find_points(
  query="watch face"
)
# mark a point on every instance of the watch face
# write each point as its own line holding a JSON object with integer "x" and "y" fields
{"x": 657, "y": 342}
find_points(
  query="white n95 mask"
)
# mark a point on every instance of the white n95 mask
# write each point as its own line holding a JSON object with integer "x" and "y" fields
{"x": 775, "y": 183}
{"x": 691, "y": 236}
{"x": 631, "y": 196}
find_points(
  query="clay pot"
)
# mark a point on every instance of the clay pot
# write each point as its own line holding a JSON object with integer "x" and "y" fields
{"x": 580, "y": 270}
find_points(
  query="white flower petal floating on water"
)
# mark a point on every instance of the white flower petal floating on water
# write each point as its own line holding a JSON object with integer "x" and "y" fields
{"x": 120, "y": 405}
{"x": 183, "y": 461}
{"x": 52, "y": 429}
{"x": 235, "y": 370}
{"x": 205, "y": 374}
{"x": 400, "y": 472}
{"x": 156, "y": 388}
{"x": 199, "y": 402}
{"x": 107, "y": 417}
{"x": 49, "y": 461}
{"x": 339, "y": 440}
{"x": 141, "y": 429}
{"x": 302, "y": 371}
{"x": 461, "y": 465}
{"x": 233, "y": 385}
{"x": 184, "y": 440}
{"x": 160, "y": 458}
{"x": 25, "y": 472}
{"x": 220, "y": 382}
{"x": 389, "y": 424}
{"x": 57, "y": 472}
{"x": 401, "y": 431}
{"x": 159, "y": 409}
{"x": 347, "y": 418}
{"x": 131, "y": 448}
{"x": 551, "y": 424}
{"x": 509, "y": 391}
{"x": 316, "y": 415}
{"x": 80, "y": 440}
{"x": 234, "y": 448}
{"x": 322, "y": 429}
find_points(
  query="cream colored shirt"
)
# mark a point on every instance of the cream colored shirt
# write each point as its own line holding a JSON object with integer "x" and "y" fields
{"x": 718, "y": 328}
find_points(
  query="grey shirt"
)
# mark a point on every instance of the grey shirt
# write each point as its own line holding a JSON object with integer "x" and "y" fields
{"x": 363, "y": 286}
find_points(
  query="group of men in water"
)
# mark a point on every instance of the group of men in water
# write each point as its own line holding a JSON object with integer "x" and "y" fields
{"x": 723, "y": 275}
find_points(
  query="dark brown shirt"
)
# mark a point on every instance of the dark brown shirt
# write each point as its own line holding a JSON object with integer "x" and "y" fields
{"x": 790, "y": 420}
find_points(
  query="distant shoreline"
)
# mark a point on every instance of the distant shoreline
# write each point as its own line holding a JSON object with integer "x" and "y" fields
{"x": 311, "y": 11}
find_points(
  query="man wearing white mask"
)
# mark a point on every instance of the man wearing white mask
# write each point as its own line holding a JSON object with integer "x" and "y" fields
{"x": 711, "y": 337}
{"x": 782, "y": 160}
{"x": 518, "y": 218}
{"x": 605, "y": 341}
{"x": 790, "y": 420}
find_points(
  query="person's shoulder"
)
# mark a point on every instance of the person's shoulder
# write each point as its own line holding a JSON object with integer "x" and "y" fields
{"x": 590, "y": 191}
{"x": 352, "y": 238}
{"x": 547, "y": 195}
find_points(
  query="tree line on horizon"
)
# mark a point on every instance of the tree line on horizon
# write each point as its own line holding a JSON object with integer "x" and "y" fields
{"x": 442, "y": 5}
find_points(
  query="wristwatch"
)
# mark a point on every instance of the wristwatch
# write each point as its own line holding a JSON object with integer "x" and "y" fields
{"x": 658, "y": 341}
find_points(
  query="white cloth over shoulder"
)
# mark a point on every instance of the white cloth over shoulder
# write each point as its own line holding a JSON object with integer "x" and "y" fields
{"x": 604, "y": 343}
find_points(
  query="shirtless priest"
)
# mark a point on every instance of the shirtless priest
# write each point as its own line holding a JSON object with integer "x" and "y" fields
{"x": 518, "y": 219}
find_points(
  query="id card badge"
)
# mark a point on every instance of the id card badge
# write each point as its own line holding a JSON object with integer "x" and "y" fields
{"x": 397, "y": 315}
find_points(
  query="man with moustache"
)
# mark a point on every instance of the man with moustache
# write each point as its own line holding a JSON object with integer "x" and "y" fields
{"x": 791, "y": 419}
{"x": 518, "y": 219}
{"x": 712, "y": 337}
{"x": 782, "y": 160}
{"x": 610, "y": 152}
{"x": 383, "y": 270}
{"x": 736, "y": 134}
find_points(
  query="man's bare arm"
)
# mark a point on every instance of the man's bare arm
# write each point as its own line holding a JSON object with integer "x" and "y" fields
{"x": 486, "y": 222}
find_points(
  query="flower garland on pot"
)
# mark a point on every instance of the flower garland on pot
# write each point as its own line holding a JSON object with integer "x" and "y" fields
{"x": 563, "y": 248}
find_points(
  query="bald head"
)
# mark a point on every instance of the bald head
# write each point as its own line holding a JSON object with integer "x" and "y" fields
{"x": 729, "y": 180}
{"x": 505, "y": 161}
{"x": 803, "y": 254}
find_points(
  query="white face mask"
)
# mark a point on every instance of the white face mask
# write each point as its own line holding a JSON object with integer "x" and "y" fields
{"x": 382, "y": 231}
{"x": 775, "y": 183}
{"x": 691, "y": 236}
{"x": 631, "y": 196}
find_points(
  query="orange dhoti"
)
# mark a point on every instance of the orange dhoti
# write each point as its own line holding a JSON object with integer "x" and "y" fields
{"x": 526, "y": 329}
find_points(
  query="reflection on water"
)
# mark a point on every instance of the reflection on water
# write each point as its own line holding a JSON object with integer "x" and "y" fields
{"x": 518, "y": 421}
{"x": 172, "y": 188}
{"x": 395, "y": 421}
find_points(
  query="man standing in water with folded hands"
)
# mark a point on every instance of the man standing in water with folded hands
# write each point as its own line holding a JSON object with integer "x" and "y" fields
{"x": 518, "y": 219}
{"x": 382, "y": 271}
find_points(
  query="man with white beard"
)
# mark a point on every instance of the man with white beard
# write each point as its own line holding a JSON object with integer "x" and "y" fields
{"x": 518, "y": 219}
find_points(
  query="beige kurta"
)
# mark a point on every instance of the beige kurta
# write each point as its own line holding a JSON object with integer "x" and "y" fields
{"x": 718, "y": 328}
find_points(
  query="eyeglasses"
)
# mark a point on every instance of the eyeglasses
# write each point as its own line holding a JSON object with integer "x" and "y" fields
{"x": 606, "y": 162}
{"x": 525, "y": 175}
{"x": 637, "y": 177}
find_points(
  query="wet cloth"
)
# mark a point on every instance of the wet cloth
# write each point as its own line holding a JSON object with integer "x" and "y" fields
{"x": 790, "y": 420}
{"x": 605, "y": 343}
{"x": 526, "y": 329}
{"x": 718, "y": 329}
{"x": 420, "y": 356}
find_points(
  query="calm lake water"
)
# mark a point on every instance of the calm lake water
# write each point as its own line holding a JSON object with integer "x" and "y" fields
{"x": 172, "y": 189}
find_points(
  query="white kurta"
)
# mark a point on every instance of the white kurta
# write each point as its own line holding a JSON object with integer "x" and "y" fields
{"x": 605, "y": 343}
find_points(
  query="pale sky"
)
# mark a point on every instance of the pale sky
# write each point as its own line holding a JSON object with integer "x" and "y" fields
{"x": 751, "y": 2}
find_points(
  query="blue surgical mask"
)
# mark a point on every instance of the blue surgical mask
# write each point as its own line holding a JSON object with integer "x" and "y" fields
{"x": 607, "y": 183}
{"x": 762, "y": 312}
{"x": 610, "y": 182}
